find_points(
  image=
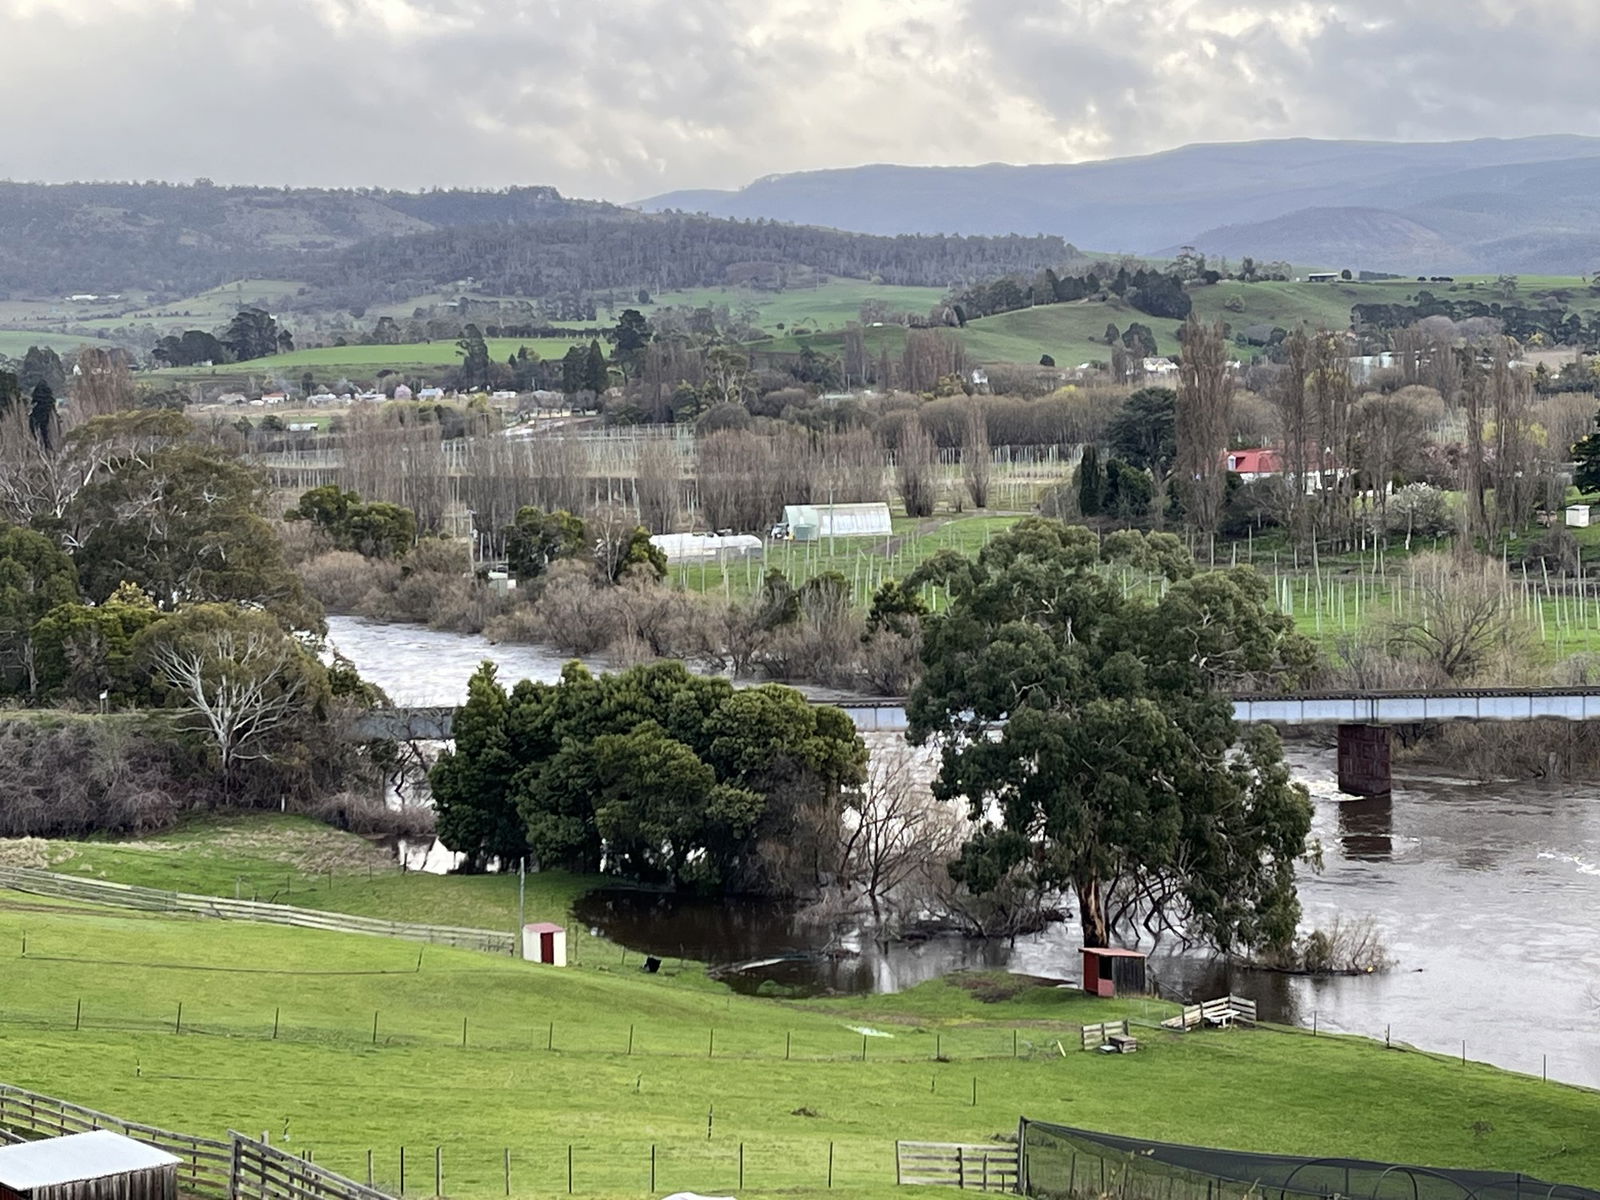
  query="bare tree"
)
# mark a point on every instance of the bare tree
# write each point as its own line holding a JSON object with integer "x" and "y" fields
{"x": 1205, "y": 395}
{"x": 101, "y": 383}
{"x": 1515, "y": 470}
{"x": 894, "y": 831}
{"x": 1458, "y": 613}
{"x": 975, "y": 455}
{"x": 241, "y": 681}
{"x": 1387, "y": 435}
{"x": 915, "y": 468}
{"x": 658, "y": 478}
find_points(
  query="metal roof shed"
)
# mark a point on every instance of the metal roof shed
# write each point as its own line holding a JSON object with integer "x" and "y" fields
{"x": 98, "y": 1165}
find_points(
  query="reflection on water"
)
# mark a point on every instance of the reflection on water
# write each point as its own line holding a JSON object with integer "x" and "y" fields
{"x": 1488, "y": 896}
{"x": 1366, "y": 828}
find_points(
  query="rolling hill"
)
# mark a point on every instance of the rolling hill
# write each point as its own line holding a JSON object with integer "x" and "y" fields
{"x": 1490, "y": 205}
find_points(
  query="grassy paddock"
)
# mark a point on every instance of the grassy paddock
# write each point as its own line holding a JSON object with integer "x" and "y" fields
{"x": 546, "y": 1065}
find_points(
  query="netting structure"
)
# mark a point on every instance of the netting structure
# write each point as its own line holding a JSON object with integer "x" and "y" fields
{"x": 1057, "y": 1161}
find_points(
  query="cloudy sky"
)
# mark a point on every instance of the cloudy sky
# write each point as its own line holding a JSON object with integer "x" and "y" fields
{"x": 622, "y": 99}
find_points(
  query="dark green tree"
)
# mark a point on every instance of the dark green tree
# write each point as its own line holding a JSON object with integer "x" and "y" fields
{"x": 537, "y": 538}
{"x": 474, "y": 370}
{"x": 1586, "y": 454}
{"x": 1095, "y": 721}
{"x": 1144, "y": 434}
{"x": 42, "y": 420}
{"x": 654, "y": 773}
{"x": 629, "y": 339}
{"x": 1091, "y": 481}
{"x": 254, "y": 333}
{"x": 182, "y": 523}
{"x": 35, "y": 576}
{"x": 471, "y": 783}
{"x": 86, "y": 650}
{"x": 595, "y": 376}
{"x": 573, "y": 364}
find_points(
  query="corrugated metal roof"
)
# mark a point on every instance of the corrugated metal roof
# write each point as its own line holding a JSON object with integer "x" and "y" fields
{"x": 76, "y": 1157}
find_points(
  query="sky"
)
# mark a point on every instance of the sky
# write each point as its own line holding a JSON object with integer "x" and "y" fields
{"x": 623, "y": 99}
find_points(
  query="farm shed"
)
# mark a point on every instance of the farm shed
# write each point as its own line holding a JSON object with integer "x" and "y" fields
{"x": 1108, "y": 970}
{"x": 812, "y": 522}
{"x": 1578, "y": 515}
{"x": 98, "y": 1165}
{"x": 541, "y": 942}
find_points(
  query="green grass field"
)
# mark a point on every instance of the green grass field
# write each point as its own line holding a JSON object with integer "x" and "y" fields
{"x": 613, "y": 1062}
{"x": 14, "y": 343}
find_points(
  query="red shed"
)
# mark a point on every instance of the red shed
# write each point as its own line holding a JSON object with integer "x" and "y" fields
{"x": 1110, "y": 969}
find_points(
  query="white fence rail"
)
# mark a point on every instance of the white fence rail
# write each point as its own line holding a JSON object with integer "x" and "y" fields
{"x": 122, "y": 895}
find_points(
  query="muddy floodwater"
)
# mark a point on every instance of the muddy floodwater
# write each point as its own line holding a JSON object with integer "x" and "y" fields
{"x": 1487, "y": 895}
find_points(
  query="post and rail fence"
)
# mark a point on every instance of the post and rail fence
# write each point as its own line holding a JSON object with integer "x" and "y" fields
{"x": 122, "y": 895}
{"x": 981, "y": 1167}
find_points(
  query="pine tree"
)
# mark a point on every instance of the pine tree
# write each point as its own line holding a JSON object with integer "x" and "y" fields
{"x": 42, "y": 416}
{"x": 594, "y": 371}
{"x": 1091, "y": 482}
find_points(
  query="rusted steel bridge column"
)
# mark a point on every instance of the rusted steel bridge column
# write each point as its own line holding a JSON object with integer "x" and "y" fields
{"x": 1364, "y": 760}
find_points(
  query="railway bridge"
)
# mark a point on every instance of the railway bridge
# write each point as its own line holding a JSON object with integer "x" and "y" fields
{"x": 1364, "y": 719}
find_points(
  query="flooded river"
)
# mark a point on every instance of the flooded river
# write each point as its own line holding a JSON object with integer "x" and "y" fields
{"x": 1488, "y": 896}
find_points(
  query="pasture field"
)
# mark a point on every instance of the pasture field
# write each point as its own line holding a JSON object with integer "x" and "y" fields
{"x": 14, "y": 343}
{"x": 612, "y": 1062}
{"x": 831, "y": 306}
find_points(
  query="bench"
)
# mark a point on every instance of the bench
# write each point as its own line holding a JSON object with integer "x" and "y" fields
{"x": 1221, "y": 1013}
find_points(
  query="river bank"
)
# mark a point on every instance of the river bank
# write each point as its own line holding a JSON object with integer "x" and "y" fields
{"x": 1487, "y": 895}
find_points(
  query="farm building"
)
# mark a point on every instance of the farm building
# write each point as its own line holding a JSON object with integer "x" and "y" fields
{"x": 813, "y": 522}
{"x": 543, "y": 942}
{"x": 98, "y": 1165}
{"x": 707, "y": 547}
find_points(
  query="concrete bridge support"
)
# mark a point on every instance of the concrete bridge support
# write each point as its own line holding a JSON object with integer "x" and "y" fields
{"x": 1364, "y": 760}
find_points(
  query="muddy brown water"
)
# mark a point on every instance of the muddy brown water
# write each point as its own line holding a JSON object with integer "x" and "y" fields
{"x": 1487, "y": 895}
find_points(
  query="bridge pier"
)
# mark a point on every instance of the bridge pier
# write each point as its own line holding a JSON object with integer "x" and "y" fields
{"x": 1364, "y": 760}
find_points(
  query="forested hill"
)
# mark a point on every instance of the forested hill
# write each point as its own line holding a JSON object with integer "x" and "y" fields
{"x": 58, "y": 239}
{"x": 1490, "y": 205}
{"x": 614, "y": 249}
{"x": 356, "y": 247}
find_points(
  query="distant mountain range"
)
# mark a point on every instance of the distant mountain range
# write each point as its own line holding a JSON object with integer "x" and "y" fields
{"x": 1528, "y": 205}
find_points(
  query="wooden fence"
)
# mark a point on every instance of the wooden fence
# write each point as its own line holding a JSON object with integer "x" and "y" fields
{"x": 122, "y": 895}
{"x": 263, "y": 1172}
{"x": 1099, "y": 1033}
{"x": 988, "y": 1168}
{"x": 203, "y": 1171}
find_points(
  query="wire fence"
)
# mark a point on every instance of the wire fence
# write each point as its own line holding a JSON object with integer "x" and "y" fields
{"x": 252, "y": 1017}
{"x": 1058, "y": 1161}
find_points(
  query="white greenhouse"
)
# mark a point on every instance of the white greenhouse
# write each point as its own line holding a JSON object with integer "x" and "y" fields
{"x": 814, "y": 522}
{"x": 708, "y": 547}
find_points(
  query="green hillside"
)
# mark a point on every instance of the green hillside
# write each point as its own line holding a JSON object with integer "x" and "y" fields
{"x": 343, "y": 1044}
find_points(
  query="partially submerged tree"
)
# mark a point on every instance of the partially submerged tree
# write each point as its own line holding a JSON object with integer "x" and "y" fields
{"x": 653, "y": 773}
{"x": 1095, "y": 722}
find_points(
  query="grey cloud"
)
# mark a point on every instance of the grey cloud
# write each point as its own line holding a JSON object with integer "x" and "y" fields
{"x": 637, "y": 96}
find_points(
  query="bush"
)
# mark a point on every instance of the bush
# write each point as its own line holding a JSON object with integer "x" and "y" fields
{"x": 342, "y": 580}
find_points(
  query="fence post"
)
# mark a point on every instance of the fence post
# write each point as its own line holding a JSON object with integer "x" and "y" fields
{"x": 438, "y": 1171}
{"x": 896, "y": 1164}
{"x": 369, "y": 1166}
{"x": 463, "y": 1033}
{"x": 569, "y": 1168}
{"x": 402, "y": 1170}
{"x": 741, "y": 1166}
{"x": 178, "y": 1025}
{"x": 275, "y": 1014}
{"x": 630, "y": 1039}
{"x": 508, "y": 1170}
{"x": 77, "y": 1021}
{"x": 652, "y": 1166}
{"x": 374, "y": 1029}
